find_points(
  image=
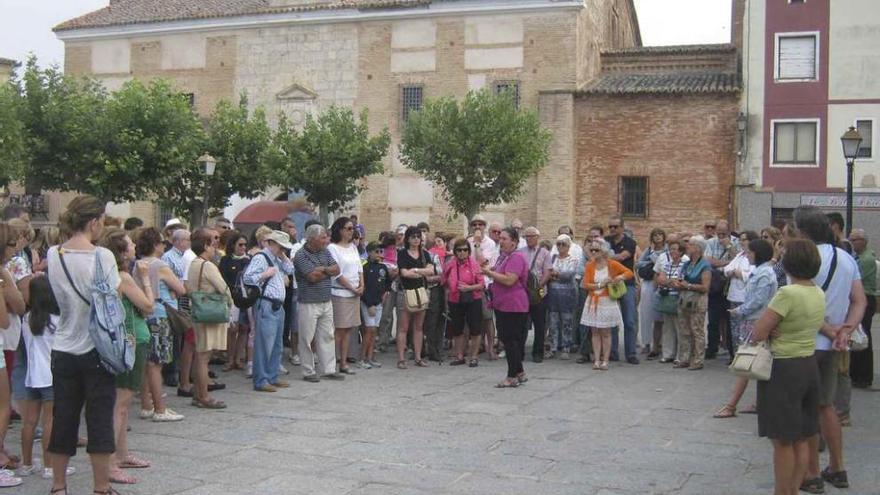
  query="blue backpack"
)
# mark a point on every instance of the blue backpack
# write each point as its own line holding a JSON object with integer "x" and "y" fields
{"x": 106, "y": 320}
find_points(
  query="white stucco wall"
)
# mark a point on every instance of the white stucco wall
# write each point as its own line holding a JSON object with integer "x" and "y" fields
{"x": 111, "y": 56}
{"x": 186, "y": 51}
{"x": 493, "y": 29}
{"x": 493, "y": 58}
{"x": 854, "y": 42}
{"x": 840, "y": 117}
{"x": 414, "y": 34}
{"x": 414, "y": 61}
{"x": 753, "y": 98}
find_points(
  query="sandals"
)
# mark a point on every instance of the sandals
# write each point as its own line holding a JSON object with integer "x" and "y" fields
{"x": 121, "y": 478}
{"x": 133, "y": 462}
{"x": 209, "y": 404}
{"x": 597, "y": 366}
{"x": 59, "y": 490}
{"x": 109, "y": 491}
{"x": 522, "y": 378}
{"x": 753, "y": 409}
{"x": 726, "y": 411}
{"x": 508, "y": 383}
{"x": 421, "y": 363}
{"x": 401, "y": 365}
{"x": 457, "y": 362}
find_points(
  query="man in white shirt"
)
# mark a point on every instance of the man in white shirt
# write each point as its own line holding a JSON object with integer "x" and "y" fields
{"x": 844, "y": 306}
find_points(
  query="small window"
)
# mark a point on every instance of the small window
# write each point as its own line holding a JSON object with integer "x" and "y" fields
{"x": 794, "y": 143}
{"x": 796, "y": 57}
{"x": 633, "y": 199}
{"x": 410, "y": 101}
{"x": 866, "y": 129}
{"x": 191, "y": 99}
{"x": 163, "y": 214}
{"x": 512, "y": 86}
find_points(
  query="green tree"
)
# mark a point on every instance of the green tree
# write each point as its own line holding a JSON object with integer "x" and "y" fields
{"x": 115, "y": 146}
{"x": 331, "y": 155}
{"x": 13, "y": 136}
{"x": 480, "y": 150}
{"x": 242, "y": 144}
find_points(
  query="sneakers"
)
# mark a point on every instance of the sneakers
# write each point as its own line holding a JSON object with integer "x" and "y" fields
{"x": 281, "y": 384}
{"x": 312, "y": 378}
{"x": 27, "y": 470}
{"x": 838, "y": 479}
{"x": 374, "y": 363}
{"x": 8, "y": 479}
{"x": 334, "y": 376}
{"x": 364, "y": 365}
{"x": 294, "y": 360}
{"x": 265, "y": 388}
{"x": 283, "y": 370}
{"x": 249, "y": 373}
{"x": 167, "y": 417}
{"x": 146, "y": 413}
{"x": 48, "y": 474}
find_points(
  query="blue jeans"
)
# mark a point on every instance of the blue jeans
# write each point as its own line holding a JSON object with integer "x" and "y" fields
{"x": 630, "y": 315}
{"x": 268, "y": 342}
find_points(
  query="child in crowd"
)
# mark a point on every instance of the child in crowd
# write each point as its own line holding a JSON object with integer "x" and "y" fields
{"x": 377, "y": 283}
{"x": 36, "y": 397}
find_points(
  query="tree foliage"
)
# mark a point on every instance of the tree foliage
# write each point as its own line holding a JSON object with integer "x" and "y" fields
{"x": 331, "y": 155}
{"x": 13, "y": 136}
{"x": 242, "y": 143}
{"x": 480, "y": 150}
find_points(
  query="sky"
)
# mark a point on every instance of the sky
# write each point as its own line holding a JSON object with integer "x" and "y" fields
{"x": 26, "y": 25}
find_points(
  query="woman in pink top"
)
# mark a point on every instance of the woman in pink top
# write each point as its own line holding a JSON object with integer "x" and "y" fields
{"x": 464, "y": 288}
{"x": 511, "y": 304}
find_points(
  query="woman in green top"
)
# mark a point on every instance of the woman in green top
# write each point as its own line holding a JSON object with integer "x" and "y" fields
{"x": 788, "y": 403}
{"x": 136, "y": 302}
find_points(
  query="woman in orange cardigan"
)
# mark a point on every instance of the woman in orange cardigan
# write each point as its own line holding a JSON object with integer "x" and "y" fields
{"x": 601, "y": 313}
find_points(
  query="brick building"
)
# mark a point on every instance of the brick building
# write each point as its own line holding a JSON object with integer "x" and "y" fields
{"x": 810, "y": 69}
{"x": 7, "y": 67}
{"x": 653, "y": 139}
{"x": 635, "y": 129}
{"x": 300, "y": 56}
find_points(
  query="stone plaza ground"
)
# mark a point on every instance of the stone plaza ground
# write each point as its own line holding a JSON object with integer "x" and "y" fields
{"x": 644, "y": 429}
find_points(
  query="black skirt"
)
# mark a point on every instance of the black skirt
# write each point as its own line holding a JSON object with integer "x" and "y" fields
{"x": 788, "y": 403}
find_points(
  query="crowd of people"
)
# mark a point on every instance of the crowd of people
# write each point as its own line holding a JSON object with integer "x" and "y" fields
{"x": 329, "y": 301}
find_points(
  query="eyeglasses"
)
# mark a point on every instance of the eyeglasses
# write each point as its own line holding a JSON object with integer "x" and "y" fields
{"x": 462, "y": 250}
{"x": 241, "y": 244}
{"x": 613, "y": 226}
{"x": 495, "y": 231}
{"x": 560, "y": 244}
{"x": 531, "y": 235}
{"x": 592, "y": 250}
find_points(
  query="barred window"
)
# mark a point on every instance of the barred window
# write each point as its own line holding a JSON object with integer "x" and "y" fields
{"x": 512, "y": 86}
{"x": 410, "y": 101}
{"x": 633, "y": 196}
{"x": 163, "y": 214}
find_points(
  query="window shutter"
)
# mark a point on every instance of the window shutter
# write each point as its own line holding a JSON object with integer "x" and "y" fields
{"x": 797, "y": 57}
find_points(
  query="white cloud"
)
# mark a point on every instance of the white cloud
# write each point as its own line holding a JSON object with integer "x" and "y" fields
{"x": 684, "y": 22}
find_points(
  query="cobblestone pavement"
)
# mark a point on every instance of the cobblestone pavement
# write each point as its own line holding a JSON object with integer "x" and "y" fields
{"x": 446, "y": 430}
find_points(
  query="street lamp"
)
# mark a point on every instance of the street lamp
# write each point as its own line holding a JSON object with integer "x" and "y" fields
{"x": 851, "y": 141}
{"x": 208, "y": 165}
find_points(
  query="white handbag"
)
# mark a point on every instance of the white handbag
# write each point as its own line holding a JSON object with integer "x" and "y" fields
{"x": 753, "y": 361}
{"x": 858, "y": 340}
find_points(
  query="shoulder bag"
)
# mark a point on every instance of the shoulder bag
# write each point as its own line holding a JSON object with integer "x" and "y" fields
{"x": 753, "y": 361}
{"x": 533, "y": 283}
{"x": 106, "y": 320}
{"x": 208, "y": 307}
{"x": 417, "y": 299}
{"x": 617, "y": 289}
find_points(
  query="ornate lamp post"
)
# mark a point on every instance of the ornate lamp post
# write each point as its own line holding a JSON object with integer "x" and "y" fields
{"x": 209, "y": 165}
{"x": 851, "y": 141}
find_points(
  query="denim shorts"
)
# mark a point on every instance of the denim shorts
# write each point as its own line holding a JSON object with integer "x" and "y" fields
{"x": 43, "y": 394}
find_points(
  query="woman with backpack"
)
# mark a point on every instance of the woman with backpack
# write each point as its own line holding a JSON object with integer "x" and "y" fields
{"x": 232, "y": 265}
{"x": 161, "y": 347}
{"x": 78, "y": 375}
{"x": 136, "y": 302}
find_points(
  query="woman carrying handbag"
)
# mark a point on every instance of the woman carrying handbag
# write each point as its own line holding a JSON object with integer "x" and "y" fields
{"x": 788, "y": 403}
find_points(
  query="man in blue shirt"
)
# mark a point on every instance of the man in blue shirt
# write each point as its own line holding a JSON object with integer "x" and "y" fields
{"x": 268, "y": 270}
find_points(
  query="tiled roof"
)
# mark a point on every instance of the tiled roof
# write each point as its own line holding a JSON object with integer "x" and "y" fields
{"x": 7, "y": 61}
{"x": 673, "y": 49}
{"x": 121, "y": 12}
{"x": 668, "y": 83}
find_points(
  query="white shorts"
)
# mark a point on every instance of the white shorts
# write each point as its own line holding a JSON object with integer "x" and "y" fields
{"x": 371, "y": 321}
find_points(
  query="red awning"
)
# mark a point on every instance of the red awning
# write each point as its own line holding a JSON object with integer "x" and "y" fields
{"x": 263, "y": 211}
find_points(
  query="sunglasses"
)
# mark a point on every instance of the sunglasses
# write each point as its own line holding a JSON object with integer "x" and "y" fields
{"x": 462, "y": 250}
{"x": 613, "y": 226}
{"x": 242, "y": 244}
{"x": 560, "y": 244}
{"x": 348, "y": 228}
{"x": 478, "y": 224}
{"x": 709, "y": 226}
{"x": 722, "y": 234}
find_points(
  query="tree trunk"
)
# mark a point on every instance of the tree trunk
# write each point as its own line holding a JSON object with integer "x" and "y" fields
{"x": 195, "y": 219}
{"x": 324, "y": 215}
